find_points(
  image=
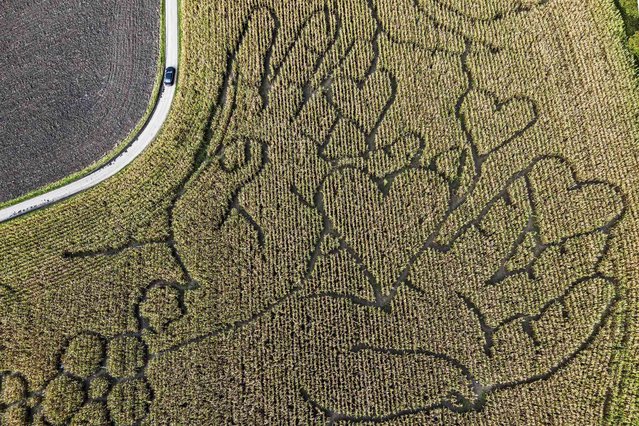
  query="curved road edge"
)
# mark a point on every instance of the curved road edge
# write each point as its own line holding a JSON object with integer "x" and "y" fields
{"x": 139, "y": 144}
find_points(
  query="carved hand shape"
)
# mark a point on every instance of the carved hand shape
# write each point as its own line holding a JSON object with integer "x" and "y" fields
{"x": 237, "y": 213}
{"x": 532, "y": 266}
{"x": 516, "y": 295}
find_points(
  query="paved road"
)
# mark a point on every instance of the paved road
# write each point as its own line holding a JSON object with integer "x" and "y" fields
{"x": 145, "y": 137}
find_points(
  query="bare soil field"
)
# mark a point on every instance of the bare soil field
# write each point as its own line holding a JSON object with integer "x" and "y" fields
{"x": 402, "y": 212}
{"x": 76, "y": 78}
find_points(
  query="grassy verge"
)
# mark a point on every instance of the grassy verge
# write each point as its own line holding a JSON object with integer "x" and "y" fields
{"x": 124, "y": 143}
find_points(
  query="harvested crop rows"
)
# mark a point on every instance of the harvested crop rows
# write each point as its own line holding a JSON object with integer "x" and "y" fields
{"x": 76, "y": 79}
{"x": 376, "y": 211}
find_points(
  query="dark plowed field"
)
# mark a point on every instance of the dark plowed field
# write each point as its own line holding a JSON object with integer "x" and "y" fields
{"x": 76, "y": 78}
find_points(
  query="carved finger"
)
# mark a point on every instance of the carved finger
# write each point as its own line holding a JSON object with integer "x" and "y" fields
{"x": 251, "y": 59}
{"x": 306, "y": 53}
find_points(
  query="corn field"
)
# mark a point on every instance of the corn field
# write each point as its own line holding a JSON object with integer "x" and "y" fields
{"x": 358, "y": 211}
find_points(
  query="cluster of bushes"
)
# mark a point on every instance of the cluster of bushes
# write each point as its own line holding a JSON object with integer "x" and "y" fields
{"x": 630, "y": 14}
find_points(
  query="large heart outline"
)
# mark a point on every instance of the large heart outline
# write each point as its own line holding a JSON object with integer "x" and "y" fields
{"x": 384, "y": 227}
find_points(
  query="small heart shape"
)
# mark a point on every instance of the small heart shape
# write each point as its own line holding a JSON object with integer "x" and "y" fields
{"x": 385, "y": 229}
{"x": 566, "y": 206}
{"x": 364, "y": 102}
{"x": 494, "y": 123}
{"x": 390, "y": 159}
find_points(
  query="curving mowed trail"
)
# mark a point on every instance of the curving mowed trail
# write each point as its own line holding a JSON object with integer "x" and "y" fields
{"x": 146, "y": 136}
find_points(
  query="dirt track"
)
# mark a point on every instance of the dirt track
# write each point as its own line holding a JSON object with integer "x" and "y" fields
{"x": 77, "y": 77}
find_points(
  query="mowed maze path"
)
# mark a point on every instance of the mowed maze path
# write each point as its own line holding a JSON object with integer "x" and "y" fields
{"x": 143, "y": 139}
